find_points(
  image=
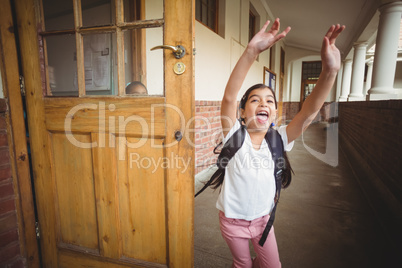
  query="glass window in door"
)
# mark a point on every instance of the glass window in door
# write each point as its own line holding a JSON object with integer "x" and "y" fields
{"x": 102, "y": 47}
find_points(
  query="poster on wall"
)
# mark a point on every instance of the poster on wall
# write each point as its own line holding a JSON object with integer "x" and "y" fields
{"x": 97, "y": 62}
{"x": 269, "y": 78}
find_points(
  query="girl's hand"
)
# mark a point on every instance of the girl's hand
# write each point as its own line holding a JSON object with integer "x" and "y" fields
{"x": 264, "y": 40}
{"x": 330, "y": 56}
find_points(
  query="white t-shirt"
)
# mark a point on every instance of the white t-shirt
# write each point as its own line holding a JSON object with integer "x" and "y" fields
{"x": 248, "y": 189}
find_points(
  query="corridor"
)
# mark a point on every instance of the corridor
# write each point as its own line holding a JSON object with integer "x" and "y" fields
{"x": 323, "y": 218}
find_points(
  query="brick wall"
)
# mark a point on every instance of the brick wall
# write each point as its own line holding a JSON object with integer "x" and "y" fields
{"x": 289, "y": 110}
{"x": 208, "y": 132}
{"x": 10, "y": 255}
{"x": 371, "y": 136}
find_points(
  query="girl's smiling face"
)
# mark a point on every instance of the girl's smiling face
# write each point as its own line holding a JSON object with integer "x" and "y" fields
{"x": 260, "y": 109}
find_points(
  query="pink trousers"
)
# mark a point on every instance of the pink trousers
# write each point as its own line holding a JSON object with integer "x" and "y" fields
{"x": 237, "y": 234}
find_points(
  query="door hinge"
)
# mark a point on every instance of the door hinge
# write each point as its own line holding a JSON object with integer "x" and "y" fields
{"x": 22, "y": 85}
{"x": 37, "y": 230}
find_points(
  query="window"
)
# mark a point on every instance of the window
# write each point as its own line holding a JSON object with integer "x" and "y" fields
{"x": 90, "y": 48}
{"x": 206, "y": 12}
{"x": 251, "y": 25}
{"x": 253, "y": 22}
{"x": 310, "y": 72}
{"x": 282, "y": 62}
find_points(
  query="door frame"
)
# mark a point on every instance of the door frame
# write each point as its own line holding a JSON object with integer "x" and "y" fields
{"x": 19, "y": 158}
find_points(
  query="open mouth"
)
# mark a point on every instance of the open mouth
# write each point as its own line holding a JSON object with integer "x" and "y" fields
{"x": 262, "y": 117}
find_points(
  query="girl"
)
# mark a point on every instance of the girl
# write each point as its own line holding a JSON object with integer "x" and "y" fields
{"x": 247, "y": 194}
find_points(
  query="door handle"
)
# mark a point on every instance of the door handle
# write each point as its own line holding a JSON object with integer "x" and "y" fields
{"x": 178, "y": 51}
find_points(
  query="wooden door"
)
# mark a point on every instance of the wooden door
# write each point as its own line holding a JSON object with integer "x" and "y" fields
{"x": 114, "y": 187}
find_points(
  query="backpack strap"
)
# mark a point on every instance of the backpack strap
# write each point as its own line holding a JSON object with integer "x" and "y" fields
{"x": 275, "y": 145}
{"x": 230, "y": 148}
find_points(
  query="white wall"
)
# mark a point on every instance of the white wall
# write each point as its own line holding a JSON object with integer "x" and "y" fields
{"x": 154, "y": 37}
{"x": 216, "y": 56}
{"x": 295, "y": 80}
{"x": 293, "y": 75}
{"x": 212, "y": 63}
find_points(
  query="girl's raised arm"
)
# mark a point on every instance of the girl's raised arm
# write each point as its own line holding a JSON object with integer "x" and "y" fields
{"x": 261, "y": 41}
{"x": 331, "y": 62}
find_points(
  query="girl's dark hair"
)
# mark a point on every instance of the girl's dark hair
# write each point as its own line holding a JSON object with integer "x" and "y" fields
{"x": 247, "y": 94}
{"x": 287, "y": 174}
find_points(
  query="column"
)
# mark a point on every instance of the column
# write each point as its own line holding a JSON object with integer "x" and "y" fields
{"x": 357, "y": 82}
{"x": 369, "y": 75}
{"x": 346, "y": 76}
{"x": 386, "y": 52}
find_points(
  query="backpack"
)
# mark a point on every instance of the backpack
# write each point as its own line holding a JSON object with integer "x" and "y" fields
{"x": 230, "y": 148}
